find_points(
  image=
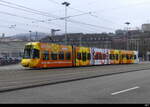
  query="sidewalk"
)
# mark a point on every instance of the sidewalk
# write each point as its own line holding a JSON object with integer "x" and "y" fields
{"x": 11, "y": 67}
{"x": 145, "y": 62}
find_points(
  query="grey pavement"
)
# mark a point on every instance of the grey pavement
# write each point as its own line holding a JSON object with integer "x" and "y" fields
{"x": 11, "y": 67}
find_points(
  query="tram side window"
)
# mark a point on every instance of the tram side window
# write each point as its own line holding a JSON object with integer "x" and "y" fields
{"x": 96, "y": 56}
{"x": 36, "y": 54}
{"x": 84, "y": 57}
{"x": 61, "y": 56}
{"x": 135, "y": 57}
{"x": 123, "y": 56}
{"x": 117, "y": 57}
{"x": 111, "y": 56}
{"x": 104, "y": 56}
{"x": 132, "y": 57}
{"x": 127, "y": 56}
{"x": 79, "y": 56}
{"x": 46, "y": 55}
{"x": 101, "y": 56}
{"x": 68, "y": 56}
{"x": 120, "y": 57}
{"x": 89, "y": 56}
{"x": 54, "y": 56}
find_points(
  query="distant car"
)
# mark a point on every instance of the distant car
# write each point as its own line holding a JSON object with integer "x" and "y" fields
{"x": 2, "y": 61}
{"x": 9, "y": 60}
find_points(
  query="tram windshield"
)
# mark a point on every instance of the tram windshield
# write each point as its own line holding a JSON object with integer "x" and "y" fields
{"x": 30, "y": 52}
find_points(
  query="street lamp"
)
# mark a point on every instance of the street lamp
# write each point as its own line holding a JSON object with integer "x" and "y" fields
{"x": 127, "y": 23}
{"x": 30, "y": 35}
{"x": 53, "y": 31}
{"x": 66, "y": 5}
{"x": 36, "y": 36}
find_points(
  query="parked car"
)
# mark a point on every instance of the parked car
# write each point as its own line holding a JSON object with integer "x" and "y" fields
{"x": 9, "y": 60}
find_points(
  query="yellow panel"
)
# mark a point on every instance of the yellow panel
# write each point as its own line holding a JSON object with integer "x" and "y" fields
{"x": 116, "y": 52}
{"x": 82, "y": 50}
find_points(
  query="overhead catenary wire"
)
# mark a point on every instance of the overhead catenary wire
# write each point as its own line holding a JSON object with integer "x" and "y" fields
{"x": 82, "y": 23}
{"x": 33, "y": 11}
{"x": 88, "y": 29}
{"x": 22, "y": 24}
{"x": 27, "y": 9}
{"x": 5, "y": 26}
{"x": 24, "y": 17}
{"x": 27, "y": 18}
{"x": 62, "y": 18}
{"x": 92, "y": 25}
{"x": 90, "y": 13}
{"x": 53, "y": 1}
{"x": 43, "y": 13}
{"x": 19, "y": 29}
{"x": 20, "y": 16}
{"x": 37, "y": 20}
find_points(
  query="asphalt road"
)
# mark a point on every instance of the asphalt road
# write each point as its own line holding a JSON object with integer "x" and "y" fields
{"x": 130, "y": 88}
{"x": 15, "y": 77}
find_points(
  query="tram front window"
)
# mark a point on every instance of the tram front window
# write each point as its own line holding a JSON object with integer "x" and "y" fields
{"x": 29, "y": 53}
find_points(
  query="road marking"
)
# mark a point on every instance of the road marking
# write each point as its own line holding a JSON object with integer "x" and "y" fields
{"x": 130, "y": 89}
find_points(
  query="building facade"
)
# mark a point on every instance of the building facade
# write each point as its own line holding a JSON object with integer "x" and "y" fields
{"x": 12, "y": 49}
{"x": 86, "y": 40}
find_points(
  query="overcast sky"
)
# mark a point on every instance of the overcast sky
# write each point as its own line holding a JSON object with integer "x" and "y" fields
{"x": 93, "y": 16}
